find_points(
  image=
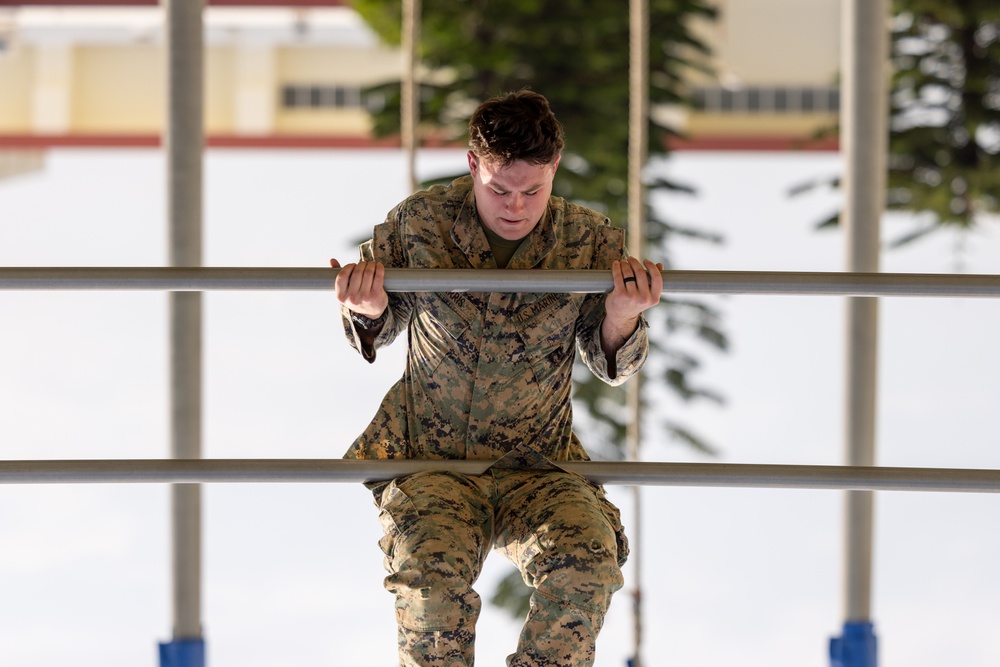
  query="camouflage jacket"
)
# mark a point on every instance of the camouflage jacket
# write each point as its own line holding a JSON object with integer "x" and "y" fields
{"x": 488, "y": 374}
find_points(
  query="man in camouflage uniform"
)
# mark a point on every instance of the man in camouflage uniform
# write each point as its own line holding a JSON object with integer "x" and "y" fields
{"x": 488, "y": 377}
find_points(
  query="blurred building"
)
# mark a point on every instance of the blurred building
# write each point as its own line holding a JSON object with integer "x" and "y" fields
{"x": 776, "y": 72}
{"x": 72, "y": 74}
{"x": 99, "y": 72}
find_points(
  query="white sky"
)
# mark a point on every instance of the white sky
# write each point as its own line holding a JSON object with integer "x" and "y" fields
{"x": 293, "y": 574}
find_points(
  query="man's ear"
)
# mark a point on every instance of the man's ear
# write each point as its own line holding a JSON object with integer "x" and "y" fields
{"x": 473, "y": 162}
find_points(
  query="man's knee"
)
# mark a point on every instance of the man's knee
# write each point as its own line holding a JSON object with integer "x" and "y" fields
{"x": 432, "y": 580}
{"x": 435, "y": 608}
{"x": 434, "y": 552}
{"x": 580, "y": 570}
{"x": 569, "y": 543}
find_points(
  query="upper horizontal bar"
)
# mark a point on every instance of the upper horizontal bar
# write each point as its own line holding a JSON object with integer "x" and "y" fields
{"x": 501, "y": 280}
{"x": 196, "y": 471}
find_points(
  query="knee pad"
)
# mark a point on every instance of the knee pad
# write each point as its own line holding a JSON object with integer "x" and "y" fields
{"x": 435, "y": 608}
{"x": 582, "y": 572}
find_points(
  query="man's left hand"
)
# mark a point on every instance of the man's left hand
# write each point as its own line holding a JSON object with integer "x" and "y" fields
{"x": 637, "y": 287}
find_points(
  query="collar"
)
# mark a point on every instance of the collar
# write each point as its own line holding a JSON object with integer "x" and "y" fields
{"x": 468, "y": 235}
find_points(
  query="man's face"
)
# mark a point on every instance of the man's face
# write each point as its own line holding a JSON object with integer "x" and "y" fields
{"x": 511, "y": 200}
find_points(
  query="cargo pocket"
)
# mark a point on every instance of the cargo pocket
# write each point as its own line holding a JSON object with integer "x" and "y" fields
{"x": 396, "y": 512}
{"x": 613, "y": 515}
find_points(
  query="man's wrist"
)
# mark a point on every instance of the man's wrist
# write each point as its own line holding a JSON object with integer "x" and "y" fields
{"x": 620, "y": 331}
{"x": 366, "y": 323}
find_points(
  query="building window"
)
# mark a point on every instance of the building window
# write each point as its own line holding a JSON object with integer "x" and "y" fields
{"x": 767, "y": 99}
{"x": 299, "y": 96}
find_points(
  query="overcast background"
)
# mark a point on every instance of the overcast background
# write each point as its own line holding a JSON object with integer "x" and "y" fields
{"x": 292, "y": 573}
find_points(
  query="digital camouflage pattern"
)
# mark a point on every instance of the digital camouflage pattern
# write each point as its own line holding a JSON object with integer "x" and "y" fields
{"x": 560, "y": 531}
{"x": 488, "y": 376}
{"x": 487, "y": 373}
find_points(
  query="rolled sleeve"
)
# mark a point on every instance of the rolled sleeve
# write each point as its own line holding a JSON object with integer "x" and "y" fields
{"x": 386, "y": 335}
{"x": 628, "y": 360}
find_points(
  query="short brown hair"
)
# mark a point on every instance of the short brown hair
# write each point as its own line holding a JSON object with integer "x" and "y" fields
{"x": 516, "y": 126}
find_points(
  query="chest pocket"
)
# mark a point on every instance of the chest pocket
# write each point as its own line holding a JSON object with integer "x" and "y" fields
{"x": 440, "y": 327}
{"x": 547, "y": 327}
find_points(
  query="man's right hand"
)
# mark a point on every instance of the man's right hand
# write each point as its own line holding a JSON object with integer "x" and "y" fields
{"x": 360, "y": 287}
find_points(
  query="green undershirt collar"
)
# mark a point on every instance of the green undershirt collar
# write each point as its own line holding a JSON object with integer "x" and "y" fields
{"x": 503, "y": 249}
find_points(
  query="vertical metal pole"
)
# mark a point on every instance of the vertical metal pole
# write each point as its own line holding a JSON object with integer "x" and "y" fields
{"x": 864, "y": 142}
{"x": 184, "y": 140}
{"x": 637, "y": 154}
{"x": 410, "y": 91}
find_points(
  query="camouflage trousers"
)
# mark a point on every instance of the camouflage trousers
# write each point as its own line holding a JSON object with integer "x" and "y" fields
{"x": 560, "y": 531}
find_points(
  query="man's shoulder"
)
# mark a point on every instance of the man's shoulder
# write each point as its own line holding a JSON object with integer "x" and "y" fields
{"x": 444, "y": 194}
{"x": 569, "y": 212}
{"x": 585, "y": 232}
{"x": 575, "y": 220}
{"x": 432, "y": 206}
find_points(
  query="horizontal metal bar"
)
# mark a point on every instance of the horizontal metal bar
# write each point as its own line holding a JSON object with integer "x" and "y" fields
{"x": 191, "y": 471}
{"x": 501, "y": 280}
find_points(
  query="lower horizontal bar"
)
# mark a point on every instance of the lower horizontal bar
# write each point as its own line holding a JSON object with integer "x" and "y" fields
{"x": 501, "y": 280}
{"x": 197, "y": 471}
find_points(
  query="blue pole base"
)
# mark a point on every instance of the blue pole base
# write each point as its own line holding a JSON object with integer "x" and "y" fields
{"x": 183, "y": 653}
{"x": 857, "y": 647}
